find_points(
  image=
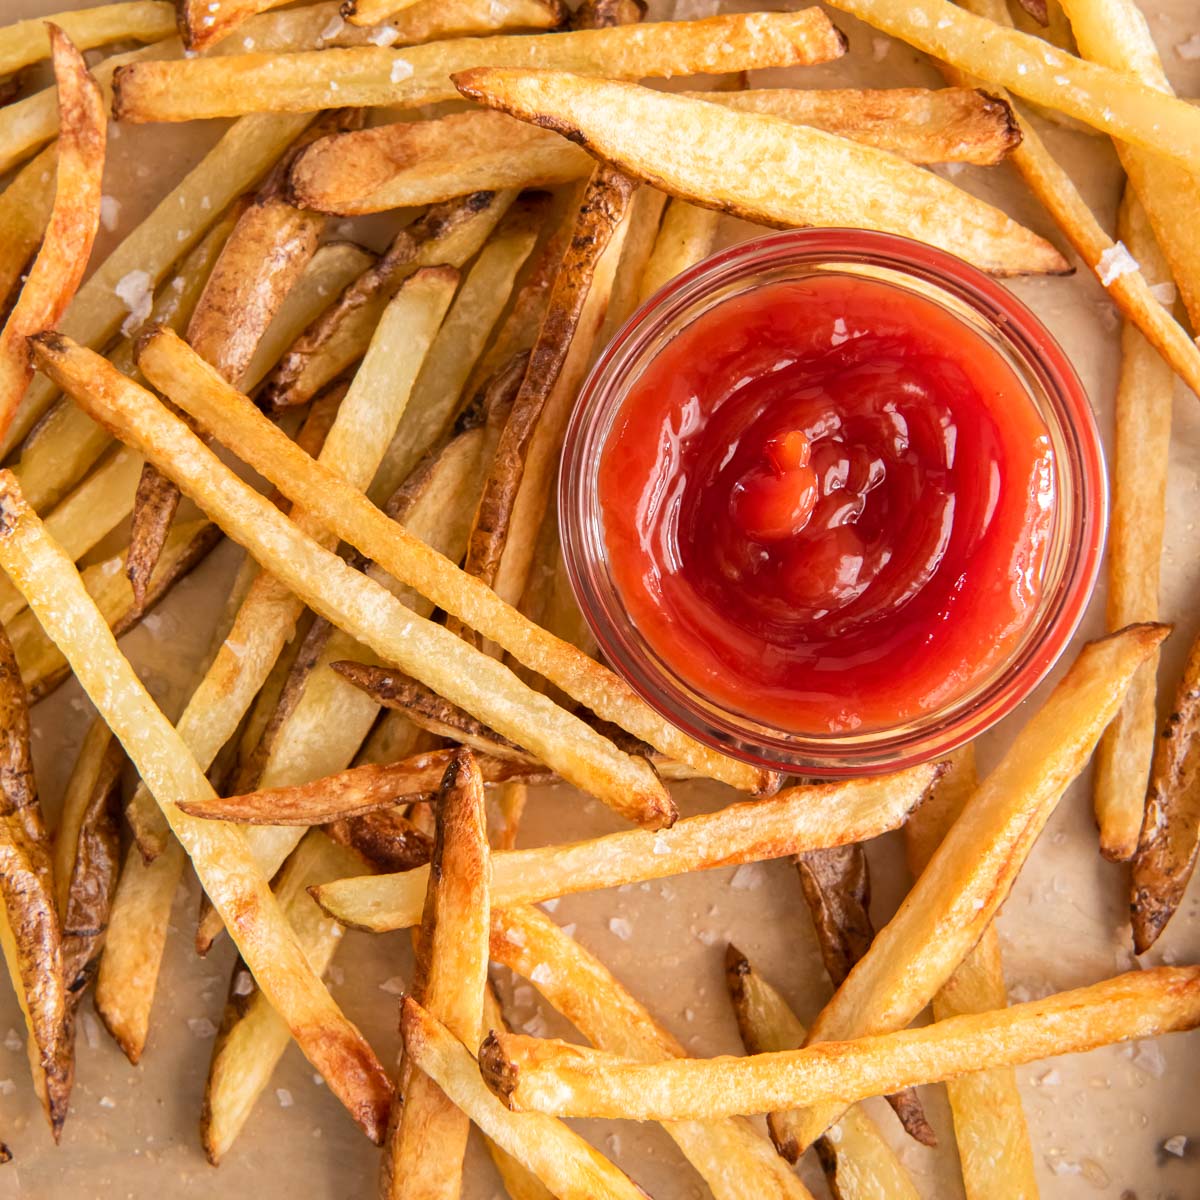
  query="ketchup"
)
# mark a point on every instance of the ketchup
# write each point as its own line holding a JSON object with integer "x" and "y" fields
{"x": 826, "y": 505}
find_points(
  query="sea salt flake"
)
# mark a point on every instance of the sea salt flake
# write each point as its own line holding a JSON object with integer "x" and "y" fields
{"x": 337, "y": 976}
{"x": 107, "y": 1102}
{"x": 248, "y": 43}
{"x": 569, "y": 930}
{"x": 401, "y": 70}
{"x": 394, "y": 986}
{"x": 385, "y": 36}
{"x": 243, "y": 985}
{"x": 333, "y": 28}
{"x": 1050, "y": 1078}
{"x": 621, "y": 928}
{"x": 134, "y": 291}
{"x": 1064, "y": 1166}
{"x": 1164, "y": 293}
{"x": 1148, "y": 1057}
{"x": 536, "y": 1026}
{"x": 1189, "y": 50}
{"x": 541, "y": 974}
{"x": 660, "y": 846}
{"x": 952, "y": 169}
{"x": 7, "y": 1087}
{"x": 880, "y": 47}
{"x": 750, "y": 875}
{"x": 550, "y": 905}
{"x": 110, "y": 212}
{"x": 318, "y": 1080}
{"x": 1176, "y": 1145}
{"x": 91, "y": 1030}
{"x": 284, "y": 1097}
{"x": 710, "y": 937}
{"x": 12, "y": 1040}
{"x": 1115, "y": 262}
{"x": 201, "y": 1027}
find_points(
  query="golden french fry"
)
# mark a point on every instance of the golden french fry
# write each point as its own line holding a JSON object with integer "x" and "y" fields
{"x": 385, "y": 839}
{"x": 733, "y": 1158}
{"x": 799, "y": 818}
{"x": 424, "y": 1156}
{"x": 60, "y": 263}
{"x": 560, "y": 1158}
{"x": 1170, "y": 841}
{"x": 761, "y": 167}
{"x": 559, "y": 1078}
{"x": 202, "y": 23}
{"x": 348, "y": 513}
{"x": 228, "y": 873}
{"x": 994, "y": 1151}
{"x": 25, "y": 206}
{"x": 685, "y": 237}
{"x": 26, "y": 42}
{"x": 856, "y": 1159}
{"x": 461, "y": 18}
{"x": 369, "y": 75}
{"x": 971, "y": 872}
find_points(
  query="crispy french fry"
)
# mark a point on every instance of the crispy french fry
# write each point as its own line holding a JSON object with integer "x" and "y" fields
{"x": 971, "y": 872}
{"x": 994, "y": 1151}
{"x": 60, "y": 263}
{"x": 1139, "y": 500}
{"x": 837, "y": 888}
{"x": 410, "y": 561}
{"x": 1170, "y": 841}
{"x": 369, "y": 75}
{"x": 385, "y": 839}
{"x": 560, "y": 1158}
{"x": 30, "y": 930}
{"x": 799, "y": 818}
{"x": 1108, "y": 100}
{"x": 856, "y": 1158}
{"x": 253, "y": 1036}
{"x": 732, "y": 1157}
{"x": 685, "y": 236}
{"x": 27, "y": 42}
{"x": 228, "y": 873}
{"x": 761, "y": 167}
{"x": 642, "y": 222}
{"x": 339, "y": 336}
{"x": 559, "y": 1078}
{"x": 202, "y": 23}
{"x": 25, "y": 206}
{"x": 145, "y": 256}
{"x": 424, "y": 1156}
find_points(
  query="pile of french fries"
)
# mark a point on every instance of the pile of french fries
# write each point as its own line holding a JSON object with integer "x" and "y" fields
{"x": 400, "y": 659}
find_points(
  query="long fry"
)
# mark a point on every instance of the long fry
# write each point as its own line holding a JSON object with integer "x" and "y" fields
{"x": 565, "y": 1080}
{"x": 60, "y": 263}
{"x": 349, "y": 514}
{"x": 799, "y": 818}
{"x": 685, "y": 236}
{"x": 25, "y": 206}
{"x": 228, "y": 873}
{"x": 366, "y": 76}
{"x": 27, "y": 42}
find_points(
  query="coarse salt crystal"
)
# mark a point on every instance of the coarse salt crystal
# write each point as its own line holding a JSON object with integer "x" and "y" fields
{"x": 541, "y": 974}
{"x": 661, "y": 845}
{"x": 536, "y": 1026}
{"x": 318, "y": 1080}
{"x": 710, "y": 937}
{"x": 393, "y": 987}
{"x": 401, "y": 70}
{"x": 110, "y": 212}
{"x": 1164, "y": 293}
{"x": 12, "y": 1040}
{"x": 621, "y": 928}
{"x": 880, "y": 47}
{"x": 284, "y": 1097}
{"x": 107, "y": 1102}
{"x": 243, "y": 985}
{"x": 569, "y": 930}
{"x": 134, "y": 291}
{"x": 550, "y": 905}
{"x": 333, "y": 28}
{"x": 1115, "y": 262}
{"x": 749, "y": 875}
{"x": 1050, "y": 1078}
{"x": 201, "y": 1027}
{"x": 952, "y": 169}
{"x": 1064, "y": 1166}
{"x": 1148, "y": 1057}
{"x": 334, "y": 85}
{"x": 1190, "y": 49}
{"x": 7, "y": 1087}
{"x": 336, "y": 975}
{"x": 384, "y": 36}
{"x": 248, "y": 43}
{"x": 1176, "y": 1145}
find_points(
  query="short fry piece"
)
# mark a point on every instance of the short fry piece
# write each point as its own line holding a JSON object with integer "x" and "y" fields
{"x": 567, "y": 1165}
{"x": 228, "y": 873}
{"x": 60, "y": 263}
{"x": 556, "y": 1077}
{"x": 369, "y": 75}
{"x": 857, "y": 1161}
{"x": 799, "y": 818}
{"x": 761, "y": 167}
{"x": 1170, "y": 842}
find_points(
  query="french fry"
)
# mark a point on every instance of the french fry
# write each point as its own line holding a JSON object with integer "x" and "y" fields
{"x": 1115, "y": 34}
{"x": 30, "y": 930}
{"x": 339, "y": 336}
{"x": 25, "y": 206}
{"x": 1170, "y": 841}
{"x": 385, "y": 839}
{"x": 202, "y": 23}
{"x": 732, "y": 1157}
{"x": 560, "y": 1158}
{"x": 856, "y": 1158}
{"x": 837, "y": 888}
{"x": 87, "y": 856}
{"x": 685, "y": 236}
{"x": 60, "y": 263}
{"x": 424, "y": 1156}
{"x": 971, "y": 872}
{"x": 558, "y": 1078}
{"x": 1059, "y": 196}
{"x": 225, "y": 867}
{"x": 253, "y": 1036}
{"x": 369, "y": 76}
{"x": 798, "y": 818}
{"x": 356, "y": 791}
{"x": 407, "y": 559}
{"x": 994, "y": 1151}
{"x": 1142, "y": 430}
{"x": 1109, "y": 100}
{"x": 147, "y": 253}
{"x": 368, "y": 12}
{"x": 27, "y": 42}
{"x": 761, "y": 168}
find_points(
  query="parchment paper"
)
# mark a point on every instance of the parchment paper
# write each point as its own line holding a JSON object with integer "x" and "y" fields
{"x": 1098, "y": 1121}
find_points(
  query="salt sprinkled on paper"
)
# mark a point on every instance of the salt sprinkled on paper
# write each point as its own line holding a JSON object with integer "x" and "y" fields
{"x": 401, "y": 70}
{"x": 1148, "y": 1057}
{"x": 1176, "y": 1145}
{"x": 243, "y": 985}
{"x": 107, "y": 1102}
{"x": 1164, "y": 293}
{"x": 749, "y": 875}
{"x": 1115, "y": 262}
{"x": 1190, "y": 49}
{"x": 110, "y": 212}
{"x": 880, "y": 46}
{"x": 201, "y": 1027}
{"x": 384, "y": 36}
{"x": 133, "y": 290}
{"x": 621, "y": 928}
{"x": 7, "y": 1087}
{"x": 284, "y": 1097}
{"x": 91, "y": 1030}
{"x": 550, "y": 905}
{"x": 393, "y": 986}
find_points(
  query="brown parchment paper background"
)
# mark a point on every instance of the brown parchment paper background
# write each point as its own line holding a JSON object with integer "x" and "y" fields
{"x": 1098, "y": 1120}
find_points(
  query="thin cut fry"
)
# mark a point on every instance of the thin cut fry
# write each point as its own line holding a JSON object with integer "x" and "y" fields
{"x": 761, "y": 167}
{"x": 1139, "y": 501}
{"x": 367, "y": 12}
{"x": 369, "y": 75}
{"x": 202, "y": 23}
{"x": 25, "y": 206}
{"x": 60, "y": 263}
{"x": 798, "y": 818}
{"x": 424, "y": 1157}
{"x": 482, "y": 686}
{"x": 685, "y": 237}
{"x": 563, "y": 1161}
{"x": 349, "y": 514}
{"x": 26, "y": 42}
{"x": 733, "y": 1158}
{"x": 385, "y": 839}
{"x": 1170, "y": 842}
{"x": 994, "y": 1151}
{"x": 556, "y": 1077}
{"x": 856, "y": 1158}
{"x": 226, "y": 870}
{"x": 971, "y": 872}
